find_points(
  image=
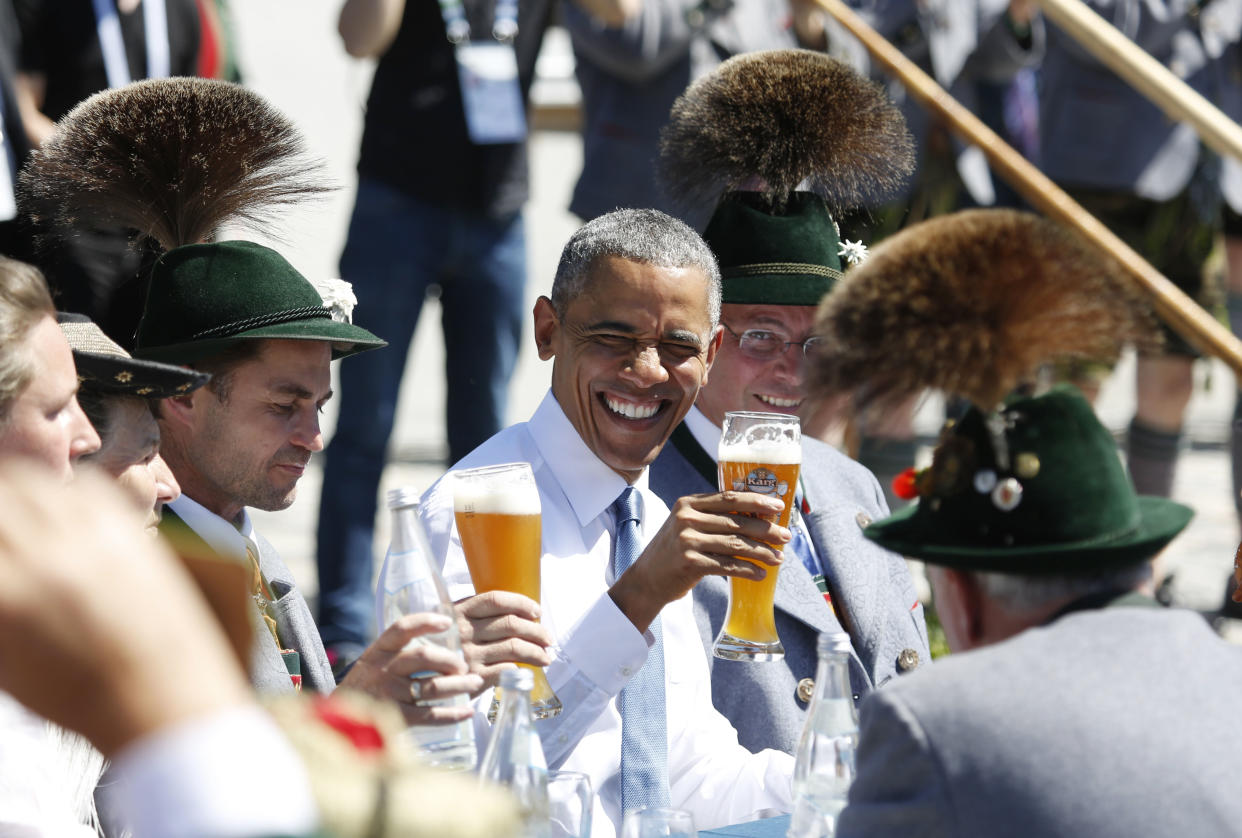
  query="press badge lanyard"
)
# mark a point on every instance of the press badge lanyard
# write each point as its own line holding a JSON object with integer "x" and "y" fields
{"x": 487, "y": 71}
{"x": 155, "y": 30}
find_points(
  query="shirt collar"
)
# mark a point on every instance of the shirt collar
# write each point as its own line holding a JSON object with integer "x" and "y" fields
{"x": 705, "y": 432}
{"x": 222, "y": 536}
{"x": 590, "y": 486}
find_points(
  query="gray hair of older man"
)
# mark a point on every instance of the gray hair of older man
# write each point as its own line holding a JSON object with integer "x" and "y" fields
{"x": 637, "y": 235}
{"x": 1030, "y": 594}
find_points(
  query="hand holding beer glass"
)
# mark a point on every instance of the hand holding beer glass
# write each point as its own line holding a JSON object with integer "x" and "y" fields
{"x": 759, "y": 452}
{"x": 498, "y": 519}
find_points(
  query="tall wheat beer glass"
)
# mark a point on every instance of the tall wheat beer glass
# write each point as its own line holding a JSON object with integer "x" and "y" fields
{"x": 759, "y": 452}
{"x": 498, "y": 519}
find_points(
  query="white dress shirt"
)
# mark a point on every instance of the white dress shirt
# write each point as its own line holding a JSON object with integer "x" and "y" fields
{"x": 221, "y": 535}
{"x": 597, "y": 649}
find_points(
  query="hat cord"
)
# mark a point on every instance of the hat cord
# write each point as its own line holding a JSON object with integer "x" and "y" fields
{"x": 285, "y": 316}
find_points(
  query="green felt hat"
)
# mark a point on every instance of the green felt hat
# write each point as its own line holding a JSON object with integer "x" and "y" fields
{"x": 204, "y": 298}
{"x": 789, "y": 256}
{"x": 1035, "y": 488}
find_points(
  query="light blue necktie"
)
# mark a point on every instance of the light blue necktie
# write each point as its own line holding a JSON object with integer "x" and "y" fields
{"x": 800, "y": 544}
{"x": 644, "y": 724}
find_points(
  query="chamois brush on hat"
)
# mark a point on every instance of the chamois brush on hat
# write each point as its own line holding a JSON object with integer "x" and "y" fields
{"x": 780, "y": 142}
{"x": 973, "y": 304}
{"x": 178, "y": 159}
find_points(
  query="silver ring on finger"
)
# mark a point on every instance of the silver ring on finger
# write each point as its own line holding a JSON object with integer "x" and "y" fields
{"x": 416, "y": 689}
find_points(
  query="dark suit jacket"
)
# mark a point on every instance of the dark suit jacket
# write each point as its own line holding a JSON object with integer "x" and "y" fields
{"x": 872, "y": 585}
{"x": 1114, "y": 723}
{"x": 15, "y": 235}
{"x": 268, "y": 672}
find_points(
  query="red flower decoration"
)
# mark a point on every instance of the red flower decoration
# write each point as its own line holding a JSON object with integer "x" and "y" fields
{"x": 362, "y": 734}
{"x": 903, "y": 485}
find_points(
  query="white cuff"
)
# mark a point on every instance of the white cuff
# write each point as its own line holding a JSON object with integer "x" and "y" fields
{"x": 226, "y": 775}
{"x": 606, "y": 647}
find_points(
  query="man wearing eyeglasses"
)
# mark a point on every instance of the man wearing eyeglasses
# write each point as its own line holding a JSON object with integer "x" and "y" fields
{"x": 775, "y": 269}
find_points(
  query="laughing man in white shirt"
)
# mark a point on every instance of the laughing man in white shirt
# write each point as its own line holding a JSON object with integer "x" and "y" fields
{"x": 632, "y": 328}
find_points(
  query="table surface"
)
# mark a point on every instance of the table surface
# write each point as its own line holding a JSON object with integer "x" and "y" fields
{"x": 766, "y": 828}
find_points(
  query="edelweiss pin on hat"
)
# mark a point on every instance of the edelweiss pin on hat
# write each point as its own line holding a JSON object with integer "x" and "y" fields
{"x": 973, "y": 304}
{"x": 177, "y": 159}
{"x": 779, "y": 141}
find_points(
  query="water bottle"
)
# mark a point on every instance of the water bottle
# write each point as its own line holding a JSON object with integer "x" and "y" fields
{"x": 514, "y": 756}
{"x": 824, "y": 766}
{"x": 412, "y": 584}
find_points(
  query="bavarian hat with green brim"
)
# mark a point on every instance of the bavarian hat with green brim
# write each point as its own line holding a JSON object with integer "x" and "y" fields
{"x": 778, "y": 142}
{"x": 179, "y": 160}
{"x": 104, "y": 366}
{"x": 1052, "y": 498}
{"x": 979, "y": 304}
{"x": 204, "y": 298}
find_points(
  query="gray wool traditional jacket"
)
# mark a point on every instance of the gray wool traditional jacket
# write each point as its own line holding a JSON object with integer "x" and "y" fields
{"x": 268, "y": 673}
{"x": 1112, "y": 723}
{"x": 763, "y": 700}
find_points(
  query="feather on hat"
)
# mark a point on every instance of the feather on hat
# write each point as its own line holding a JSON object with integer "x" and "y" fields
{"x": 177, "y": 159}
{"x": 172, "y": 158}
{"x": 783, "y": 120}
{"x": 972, "y": 303}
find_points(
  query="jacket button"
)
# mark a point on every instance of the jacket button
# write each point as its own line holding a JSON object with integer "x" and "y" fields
{"x": 863, "y": 519}
{"x": 907, "y": 660}
{"x": 806, "y": 689}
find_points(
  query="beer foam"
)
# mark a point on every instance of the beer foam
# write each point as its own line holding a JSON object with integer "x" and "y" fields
{"x": 485, "y": 500}
{"x": 770, "y": 451}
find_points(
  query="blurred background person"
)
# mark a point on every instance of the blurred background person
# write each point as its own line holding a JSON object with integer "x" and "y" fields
{"x": 977, "y": 51}
{"x": 14, "y": 237}
{"x": 69, "y": 50}
{"x": 1149, "y": 180}
{"x": 630, "y": 73}
{"x": 442, "y": 182}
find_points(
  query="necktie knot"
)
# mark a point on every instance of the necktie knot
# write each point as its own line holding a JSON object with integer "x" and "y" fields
{"x": 625, "y": 507}
{"x": 626, "y": 541}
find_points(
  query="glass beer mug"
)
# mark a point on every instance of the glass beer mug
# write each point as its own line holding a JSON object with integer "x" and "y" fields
{"x": 498, "y": 519}
{"x": 759, "y": 452}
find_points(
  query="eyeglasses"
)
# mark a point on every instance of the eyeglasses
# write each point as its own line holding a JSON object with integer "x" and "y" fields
{"x": 767, "y": 345}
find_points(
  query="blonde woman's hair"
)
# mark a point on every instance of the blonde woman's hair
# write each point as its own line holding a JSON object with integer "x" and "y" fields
{"x": 24, "y": 301}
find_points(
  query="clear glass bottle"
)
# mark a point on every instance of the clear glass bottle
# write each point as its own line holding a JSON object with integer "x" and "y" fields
{"x": 514, "y": 756}
{"x": 412, "y": 584}
{"x": 824, "y": 766}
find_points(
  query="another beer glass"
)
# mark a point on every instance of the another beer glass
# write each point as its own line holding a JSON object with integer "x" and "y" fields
{"x": 759, "y": 452}
{"x": 498, "y": 519}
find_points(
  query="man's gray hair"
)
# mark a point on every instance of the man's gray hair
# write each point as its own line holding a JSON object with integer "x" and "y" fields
{"x": 1028, "y": 594}
{"x": 637, "y": 235}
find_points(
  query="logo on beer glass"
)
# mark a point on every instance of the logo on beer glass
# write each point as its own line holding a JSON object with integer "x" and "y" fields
{"x": 763, "y": 481}
{"x": 761, "y": 453}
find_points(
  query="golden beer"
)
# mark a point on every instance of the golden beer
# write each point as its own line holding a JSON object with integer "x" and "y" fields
{"x": 499, "y": 522}
{"x": 502, "y": 551}
{"x": 759, "y": 452}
